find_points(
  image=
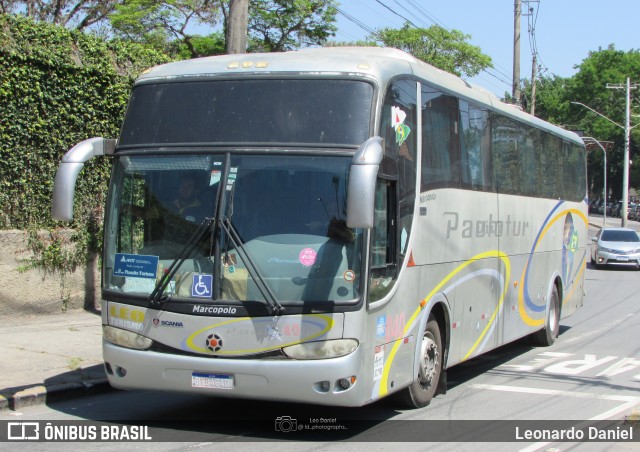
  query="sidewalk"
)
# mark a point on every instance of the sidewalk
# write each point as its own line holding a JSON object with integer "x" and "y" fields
{"x": 596, "y": 220}
{"x": 49, "y": 356}
{"x": 60, "y": 355}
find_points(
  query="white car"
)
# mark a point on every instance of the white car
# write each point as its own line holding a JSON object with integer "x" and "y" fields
{"x": 616, "y": 246}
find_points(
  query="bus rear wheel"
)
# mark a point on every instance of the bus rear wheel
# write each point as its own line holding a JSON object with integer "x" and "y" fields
{"x": 547, "y": 336}
{"x": 424, "y": 388}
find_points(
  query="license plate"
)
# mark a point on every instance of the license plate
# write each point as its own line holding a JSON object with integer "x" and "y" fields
{"x": 211, "y": 381}
{"x": 623, "y": 259}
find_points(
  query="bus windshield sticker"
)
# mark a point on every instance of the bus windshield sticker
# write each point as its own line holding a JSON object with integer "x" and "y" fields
{"x": 216, "y": 175}
{"x": 201, "y": 286}
{"x": 136, "y": 266}
{"x": 308, "y": 257}
{"x": 233, "y": 174}
{"x": 349, "y": 275}
{"x": 402, "y": 130}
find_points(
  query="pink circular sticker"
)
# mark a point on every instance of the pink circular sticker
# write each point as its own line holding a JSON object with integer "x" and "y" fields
{"x": 308, "y": 257}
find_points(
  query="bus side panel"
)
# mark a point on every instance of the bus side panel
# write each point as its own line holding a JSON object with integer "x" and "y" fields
{"x": 545, "y": 241}
{"x": 460, "y": 260}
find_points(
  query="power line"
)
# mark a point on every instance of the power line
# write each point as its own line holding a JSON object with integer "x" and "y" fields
{"x": 356, "y": 21}
{"x": 498, "y": 75}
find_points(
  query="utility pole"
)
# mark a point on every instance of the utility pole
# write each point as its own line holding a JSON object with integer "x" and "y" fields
{"x": 237, "y": 27}
{"x": 516, "y": 52}
{"x": 533, "y": 86}
{"x": 627, "y": 143}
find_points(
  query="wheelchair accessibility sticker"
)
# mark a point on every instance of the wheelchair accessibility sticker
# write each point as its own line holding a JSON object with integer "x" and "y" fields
{"x": 201, "y": 286}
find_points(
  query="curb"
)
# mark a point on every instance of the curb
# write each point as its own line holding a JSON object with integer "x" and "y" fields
{"x": 39, "y": 394}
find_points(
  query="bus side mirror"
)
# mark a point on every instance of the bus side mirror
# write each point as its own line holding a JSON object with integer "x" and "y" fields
{"x": 67, "y": 174}
{"x": 362, "y": 183}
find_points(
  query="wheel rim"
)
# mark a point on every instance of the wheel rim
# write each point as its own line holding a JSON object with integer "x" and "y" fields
{"x": 429, "y": 363}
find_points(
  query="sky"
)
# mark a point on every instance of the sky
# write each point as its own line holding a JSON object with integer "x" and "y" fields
{"x": 565, "y": 31}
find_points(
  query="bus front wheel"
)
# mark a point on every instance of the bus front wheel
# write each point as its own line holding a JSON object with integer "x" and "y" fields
{"x": 421, "y": 391}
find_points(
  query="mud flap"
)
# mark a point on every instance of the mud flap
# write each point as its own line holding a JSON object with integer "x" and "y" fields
{"x": 442, "y": 384}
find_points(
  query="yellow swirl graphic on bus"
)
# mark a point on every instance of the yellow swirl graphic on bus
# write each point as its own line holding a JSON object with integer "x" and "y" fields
{"x": 383, "y": 390}
{"x": 522, "y": 295}
{"x": 315, "y": 326}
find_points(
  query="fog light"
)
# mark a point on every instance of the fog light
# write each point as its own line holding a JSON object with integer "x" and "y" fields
{"x": 121, "y": 371}
{"x": 323, "y": 386}
{"x": 346, "y": 383}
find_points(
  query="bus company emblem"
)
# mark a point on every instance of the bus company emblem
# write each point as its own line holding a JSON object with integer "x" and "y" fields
{"x": 213, "y": 342}
{"x": 402, "y": 130}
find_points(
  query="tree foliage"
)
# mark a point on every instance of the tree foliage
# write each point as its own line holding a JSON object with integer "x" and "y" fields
{"x": 280, "y": 25}
{"x": 274, "y": 25}
{"x": 78, "y": 14}
{"x": 589, "y": 86}
{"x": 58, "y": 87}
{"x": 445, "y": 49}
{"x": 165, "y": 24}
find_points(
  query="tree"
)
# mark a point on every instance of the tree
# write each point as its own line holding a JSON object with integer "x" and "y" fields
{"x": 274, "y": 25}
{"x": 279, "y": 25}
{"x": 551, "y": 99}
{"x": 162, "y": 23}
{"x": 78, "y": 14}
{"x": 589, "y": 86}
{"x": 444, "y": 49}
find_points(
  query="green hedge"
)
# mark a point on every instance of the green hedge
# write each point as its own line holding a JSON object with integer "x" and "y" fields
{"x": 57, "y": 88}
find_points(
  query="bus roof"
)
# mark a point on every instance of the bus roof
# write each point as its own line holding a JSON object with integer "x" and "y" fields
{"x": 380, "y": 63}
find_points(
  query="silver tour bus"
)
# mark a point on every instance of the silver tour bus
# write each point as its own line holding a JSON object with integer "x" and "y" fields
{"x": 328, "y": 226}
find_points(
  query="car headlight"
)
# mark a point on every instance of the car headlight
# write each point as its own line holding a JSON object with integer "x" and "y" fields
{"x": 125, "y": 338}
{"x": 321, "y": 349}
{"x": 602, "y": 249}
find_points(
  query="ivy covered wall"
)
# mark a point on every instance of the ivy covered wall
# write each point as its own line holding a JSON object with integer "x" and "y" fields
{"x": 57, "y": 88}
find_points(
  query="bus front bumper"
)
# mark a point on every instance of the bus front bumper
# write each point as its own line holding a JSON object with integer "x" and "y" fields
{"x": 307, "y": 381}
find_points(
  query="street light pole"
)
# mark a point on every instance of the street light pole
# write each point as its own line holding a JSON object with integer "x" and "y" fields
{"x": 604, "y": 152}
{"x": 627, "y": 143}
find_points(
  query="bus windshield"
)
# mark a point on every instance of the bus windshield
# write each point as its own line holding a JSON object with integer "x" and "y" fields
{"x": 307, "y": 111}
{"x": 255, "y": 221}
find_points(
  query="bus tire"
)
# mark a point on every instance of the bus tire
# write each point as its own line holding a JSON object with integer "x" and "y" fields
{"x": 423, "y": 389}
{"x": 547, "y": 335}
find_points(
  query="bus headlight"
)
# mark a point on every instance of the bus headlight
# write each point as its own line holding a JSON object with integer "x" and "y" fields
{"x": 125, "y": 338}
{"x": 321, "y": 349}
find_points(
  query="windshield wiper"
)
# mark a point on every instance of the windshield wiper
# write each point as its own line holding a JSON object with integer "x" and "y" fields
{"x": 156, "y": 296}
{"x": 274, "y": 306}
{"x": 224, "y": 221}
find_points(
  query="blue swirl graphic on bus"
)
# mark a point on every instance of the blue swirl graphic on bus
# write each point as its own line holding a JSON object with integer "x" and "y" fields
{"x": 569, "y": 247}
{"x": 530, "y": 304}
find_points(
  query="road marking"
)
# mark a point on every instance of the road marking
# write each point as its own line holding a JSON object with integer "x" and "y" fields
{"x": 629, "y": 403}
{"x": 555, "y": 392}
{"x": 520, "y": 367}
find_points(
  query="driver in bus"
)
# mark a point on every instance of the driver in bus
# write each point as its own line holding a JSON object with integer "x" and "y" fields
{"x": 187, "y": 206}
{"x": 175, "y": 220}
{"x": 185, "y": 212}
